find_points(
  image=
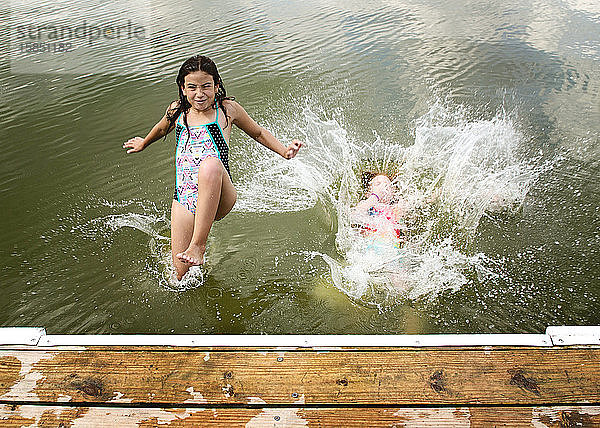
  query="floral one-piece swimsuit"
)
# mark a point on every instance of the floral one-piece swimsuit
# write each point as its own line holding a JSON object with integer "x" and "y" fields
{"x": 202, "y": 141}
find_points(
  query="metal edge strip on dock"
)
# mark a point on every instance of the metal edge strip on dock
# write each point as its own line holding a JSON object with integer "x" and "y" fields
{"x": 554, "y": 336}
{"x": 21, "y": 335}
{"x": 571, "y": 335}
{"x": 300, "y": 341}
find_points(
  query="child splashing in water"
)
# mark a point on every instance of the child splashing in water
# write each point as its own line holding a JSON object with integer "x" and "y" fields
{"x": 202, "y": 118}
{"x": 377, "y": 254}
{"x": 378, "y": 216}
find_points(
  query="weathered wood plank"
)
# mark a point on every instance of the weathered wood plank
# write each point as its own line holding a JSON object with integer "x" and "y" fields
{"x": 55, "y": 416}
{"x": 519, "y": 376}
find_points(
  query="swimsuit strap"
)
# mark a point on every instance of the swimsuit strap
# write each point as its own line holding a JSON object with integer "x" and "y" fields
{"x": 180, "y": 120}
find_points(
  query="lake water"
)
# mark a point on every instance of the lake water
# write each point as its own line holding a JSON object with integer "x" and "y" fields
{"x": 493, "y": 107}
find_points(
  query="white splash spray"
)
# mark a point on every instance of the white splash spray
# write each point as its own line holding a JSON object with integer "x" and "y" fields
{"x": 455, "y": 172}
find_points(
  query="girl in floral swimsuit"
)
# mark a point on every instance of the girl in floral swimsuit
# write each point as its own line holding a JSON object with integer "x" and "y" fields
{"x": 202, "y": 119}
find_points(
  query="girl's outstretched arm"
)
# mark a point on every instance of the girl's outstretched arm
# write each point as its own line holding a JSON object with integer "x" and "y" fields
{"x": 243, "y": 121}
{"x": 162, "y": 128}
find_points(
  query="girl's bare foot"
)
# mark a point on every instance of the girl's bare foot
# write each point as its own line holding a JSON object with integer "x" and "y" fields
{"x": 194, "y": 255}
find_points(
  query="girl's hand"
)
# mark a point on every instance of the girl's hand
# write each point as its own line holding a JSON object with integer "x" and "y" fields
{"x": 293, "y": 148}
{"x": 135, "y": 144}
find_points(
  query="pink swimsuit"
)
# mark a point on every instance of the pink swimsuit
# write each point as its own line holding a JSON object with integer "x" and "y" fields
{"x": 387, "y": 212}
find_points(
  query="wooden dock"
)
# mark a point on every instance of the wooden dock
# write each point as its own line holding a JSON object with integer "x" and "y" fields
{"x": 549, "y": 380}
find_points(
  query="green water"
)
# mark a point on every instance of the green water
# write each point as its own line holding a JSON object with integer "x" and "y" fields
{"x": 85, "y": 227}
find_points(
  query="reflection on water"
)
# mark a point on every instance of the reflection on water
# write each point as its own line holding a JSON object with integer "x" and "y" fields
{"x": 494, "y": 108}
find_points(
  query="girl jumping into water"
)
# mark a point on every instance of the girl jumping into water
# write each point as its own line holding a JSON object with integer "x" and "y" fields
{"x": 202, "y": 118}
{"x": 377, "y": 215}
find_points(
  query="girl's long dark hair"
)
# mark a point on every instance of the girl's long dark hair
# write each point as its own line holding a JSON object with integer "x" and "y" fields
{"x": 197, "y": 63}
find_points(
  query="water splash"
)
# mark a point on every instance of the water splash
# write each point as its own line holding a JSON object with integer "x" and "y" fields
{"x": 154, "y": 224}
{"x": 455, "y": 172}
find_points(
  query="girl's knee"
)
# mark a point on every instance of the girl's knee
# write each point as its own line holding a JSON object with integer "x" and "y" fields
{"x": 210, "y": 169}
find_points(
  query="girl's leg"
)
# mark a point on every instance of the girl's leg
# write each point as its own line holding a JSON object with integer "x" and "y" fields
{"x": 228, "y": 196}
{"x": 216, "y": 197}
{"x": 182, "y": 228}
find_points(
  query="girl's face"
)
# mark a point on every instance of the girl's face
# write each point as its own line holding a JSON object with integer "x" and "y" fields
{"x": 381, "y": 185}
{"x": 199, "y": 88}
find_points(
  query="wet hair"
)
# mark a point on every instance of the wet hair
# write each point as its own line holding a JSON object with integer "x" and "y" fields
{"x": 191, "y": 65}
{"x": 365, "y": 179}
{"x": 367, "y": 176}
{"x": 371, "y": 167}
